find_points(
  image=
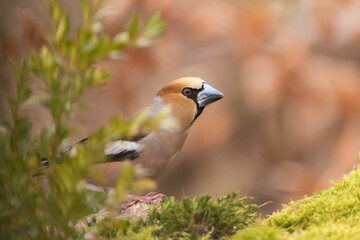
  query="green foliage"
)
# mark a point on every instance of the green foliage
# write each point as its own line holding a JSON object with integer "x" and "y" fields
{"x": 193, "y": 218}
{"x": 329, "y": 214}
{"x": 64, "y": 70}
{"x": 16, "y": 161}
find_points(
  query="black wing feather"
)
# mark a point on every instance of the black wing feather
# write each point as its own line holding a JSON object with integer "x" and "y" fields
{"x": 124, "y": 155}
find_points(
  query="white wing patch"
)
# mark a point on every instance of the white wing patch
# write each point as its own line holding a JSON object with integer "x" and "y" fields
{"x": 122, "y": 146}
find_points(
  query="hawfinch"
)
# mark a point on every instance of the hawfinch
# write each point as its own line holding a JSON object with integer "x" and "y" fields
{"x": 186, "y": 97}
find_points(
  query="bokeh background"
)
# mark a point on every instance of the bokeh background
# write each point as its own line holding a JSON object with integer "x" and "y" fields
{"x": 290, "y": 120}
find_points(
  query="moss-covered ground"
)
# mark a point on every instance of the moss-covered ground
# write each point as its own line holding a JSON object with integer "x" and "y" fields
{"x": 330, "y": 214}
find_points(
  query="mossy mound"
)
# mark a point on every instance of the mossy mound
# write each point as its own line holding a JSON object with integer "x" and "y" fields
{"x": 202, "y": 217}
{"x": 329, "y": 214}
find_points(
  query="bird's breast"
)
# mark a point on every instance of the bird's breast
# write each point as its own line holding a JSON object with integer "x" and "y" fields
{"x": 160, "y": 150}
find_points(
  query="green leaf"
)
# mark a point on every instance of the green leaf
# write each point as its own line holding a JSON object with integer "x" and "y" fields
{"x": 86, "y": 11}
{"x": 100, "y": 76}
{"x": 104, "y": 44}
{"x": 154, "y": 26}
{"x": 121, "y": 40}
{"x": 13, "y": 105}
{"x": 23, "y": 128}
{"x": 133, "y": 27}
{"x": 89, "y": 47}
{"x": 62, "y": 28}
{"x": 55, "y": 11}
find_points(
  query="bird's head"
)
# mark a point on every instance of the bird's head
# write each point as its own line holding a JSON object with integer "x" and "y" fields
{"x": 187, "y": 97}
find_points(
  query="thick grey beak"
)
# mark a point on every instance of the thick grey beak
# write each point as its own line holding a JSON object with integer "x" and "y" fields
{"x": 208, "y": 95}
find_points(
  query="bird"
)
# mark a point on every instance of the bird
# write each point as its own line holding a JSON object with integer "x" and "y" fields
{"x": 154, "y": 152}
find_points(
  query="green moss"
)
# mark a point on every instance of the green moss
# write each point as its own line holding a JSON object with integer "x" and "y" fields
{"x": 330, "y": 231}
{"x": 341, "y": 203}
{"x": 260, "y": 232}
{"x": 329, "y": 214}
{"x": 114, "y": 228}
{"x": 192, "y": 218}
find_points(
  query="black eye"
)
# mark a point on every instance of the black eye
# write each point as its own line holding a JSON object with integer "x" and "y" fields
{"x": 187, "y": 91}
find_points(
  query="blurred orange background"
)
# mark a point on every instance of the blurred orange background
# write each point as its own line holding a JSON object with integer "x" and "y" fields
{"x": 290, "y": 119}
